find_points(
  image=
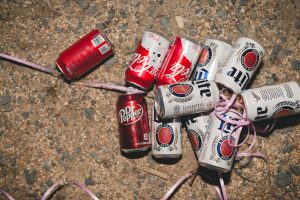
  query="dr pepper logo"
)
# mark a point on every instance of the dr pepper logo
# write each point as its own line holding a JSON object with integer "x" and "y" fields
{"x": 130, "y": 114}
{"x": 249, "y": 59}
{"x": 181, "y": 90}
{"x": 164, "y": 135}
{"x": 205, "y": 56}
{"x": 224, "y": 147}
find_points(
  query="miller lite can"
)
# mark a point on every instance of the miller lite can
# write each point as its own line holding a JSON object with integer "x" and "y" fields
{"x": 186, "y": 98}
{"x": 196, "y": 127}
{"x": 243, "y": 62}
{"x": 218, "y": 149}
{"x": 214, "y": 55}
{"x": 133, "y": 123}
{"x": 179, "y": 62}
{"x": 272, "y": 101}
{"x": 166, "y": 137}
{"x": 146, "y": 60}
{"x": 84, "y": 55}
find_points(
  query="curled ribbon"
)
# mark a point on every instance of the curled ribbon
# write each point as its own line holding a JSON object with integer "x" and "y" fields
{"x": 55, "y": 187}
{"x": 6, "y": 195}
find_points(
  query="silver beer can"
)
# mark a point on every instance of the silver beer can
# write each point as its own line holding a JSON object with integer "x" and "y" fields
{"x": 213, "y": 56}
{"x": 272, "y": 101}
{"x": 196, "y": 127}
{"x": 186, "y": 98}
{"x": 242, "y": 64}
{"x": 217, "y": 152}
{"x": 166, "y": 137}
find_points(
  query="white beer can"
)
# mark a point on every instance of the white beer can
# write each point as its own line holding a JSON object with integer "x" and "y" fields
{"x": 196, "y": 127}
{"x": 166, "y": 137}
{"x": 242, "y": 64}
{"x": 213, "y": 56}
{"x": 186, "y": 98}
{"x": 216, "y": 152}
{"x": 272, "y": 101}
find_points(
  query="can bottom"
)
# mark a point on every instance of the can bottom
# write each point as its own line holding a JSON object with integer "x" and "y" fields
{"x": 166, "y": 155}
{"x": 212, "y": 167}
{"x": 136, "y": 150}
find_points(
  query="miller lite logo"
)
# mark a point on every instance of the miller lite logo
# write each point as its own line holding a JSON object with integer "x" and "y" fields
{"x": 249, "y": 59}
{"x": 205, "y": 56}
{"x": 285, "y": 108}
{"x": 196, "y": 139}
{"x": 130, "y": 114}
{"x": 164, "y": 135}
{"x": 224, "y": 147}
{"x": 181, "y": 90}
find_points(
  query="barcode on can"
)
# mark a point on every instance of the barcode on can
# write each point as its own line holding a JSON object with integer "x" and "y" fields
{"x": 104, "y": 48}
{"x": 96, "y": 41}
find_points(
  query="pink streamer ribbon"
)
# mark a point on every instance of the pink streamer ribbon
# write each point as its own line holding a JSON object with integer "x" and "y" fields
{"x": 29, "y": 64}
{"x": 55, "y": 187}
{"x": 6, "y": 195}
{"x": 60, "y": 184}
{"x": 110, "y": 86}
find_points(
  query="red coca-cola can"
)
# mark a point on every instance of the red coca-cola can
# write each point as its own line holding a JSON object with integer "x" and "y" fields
{"x": 84, "y": 55}
{"x": 179, "y": 62}
{"x": 146, "y": 60}
{"x": 133, "y": 123}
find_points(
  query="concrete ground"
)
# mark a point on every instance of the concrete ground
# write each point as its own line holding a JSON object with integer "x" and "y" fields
{"x": 51, "y": 130}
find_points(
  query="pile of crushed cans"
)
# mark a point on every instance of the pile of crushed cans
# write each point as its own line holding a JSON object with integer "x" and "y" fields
{"x": 201, "y": 89}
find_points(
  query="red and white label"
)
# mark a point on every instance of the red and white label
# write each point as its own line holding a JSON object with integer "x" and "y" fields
{"x": 130, "y": 114}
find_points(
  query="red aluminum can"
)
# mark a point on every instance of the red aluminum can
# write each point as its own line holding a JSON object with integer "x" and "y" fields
{"x": 133, "y": 123}
{"x": 84, "y": 55}
{"x": 146, "y": 60}
{"x": 179, "y": 62}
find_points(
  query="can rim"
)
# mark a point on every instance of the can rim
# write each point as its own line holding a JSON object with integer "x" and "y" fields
{"x": 157, "y": 33}
{"x": 107, "y": 39}
{"x": 252, "y": 40}
{"x": 219, "y": 40}
{"x": 190, "y": 40}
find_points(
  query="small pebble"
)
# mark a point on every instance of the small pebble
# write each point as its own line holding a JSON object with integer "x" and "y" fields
{"x": 25, "y": 115}
{"x": 275, "y": 51}
{"x": 288, "y": 149}
{"x": 8, "y": 108}
{"x": 4, "y": 99}
{"x": 222, "y": 14}
{"x": 295, "y": 64}
{"x": 64, "y": 121}
{"x": 283, "y": 39}
{"x": 123, "y": 13}
{"x": 78, "y": 150}
{"x": 30, "y": 176}
{"x": 283, "y": 179}
{"x": 243, "y": 2}
{"x": 295, "y": 170}
{"x": 164, "y": 22}
{"x": 179, "y": 21}
{"x": 287, "y": 52}
{"x": 89, "y": 113}
{"x": 152, "y": 179}
{"x": 83, "y": 4}
{"x": 89, "y": 181}
{"x": 297, "y": 23}
{"x": 101, "y": 26}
